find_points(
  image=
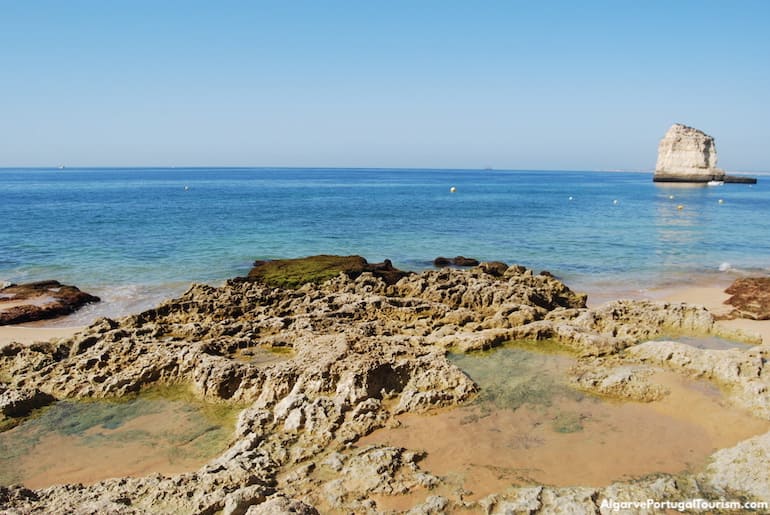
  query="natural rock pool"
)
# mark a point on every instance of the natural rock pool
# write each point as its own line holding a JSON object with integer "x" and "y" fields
{"x": 164, "y": 430}
{"x": 528, "y": 426}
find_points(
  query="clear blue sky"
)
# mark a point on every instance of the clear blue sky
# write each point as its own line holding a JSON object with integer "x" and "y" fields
{"x": 533, "y": 85}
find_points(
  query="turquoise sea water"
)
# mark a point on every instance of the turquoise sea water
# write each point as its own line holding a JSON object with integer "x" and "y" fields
{"x": 135, "y": 236}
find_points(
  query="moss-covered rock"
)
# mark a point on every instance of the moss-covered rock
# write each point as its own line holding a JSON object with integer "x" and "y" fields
{"x": 292, "y": 273}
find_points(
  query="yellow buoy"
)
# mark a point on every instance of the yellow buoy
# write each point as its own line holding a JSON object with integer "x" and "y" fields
{"x": 680, "y": 207}
{"x": 452, "y": 189}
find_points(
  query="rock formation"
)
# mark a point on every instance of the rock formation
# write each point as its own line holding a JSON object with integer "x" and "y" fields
{"x": 686, "y": 154}
{"x": 40, "y": 301}
{"x": 456, "y": 261}
{"x": 363, "y": 350}
{"x": 750, "y": 296}
{"x": 317, "y": 269}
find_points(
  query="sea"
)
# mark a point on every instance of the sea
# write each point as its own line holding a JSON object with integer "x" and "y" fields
{"x": 136, "y": 236}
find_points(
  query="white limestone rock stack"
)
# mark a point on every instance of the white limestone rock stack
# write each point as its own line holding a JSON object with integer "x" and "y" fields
{"x": 686, "y": 154}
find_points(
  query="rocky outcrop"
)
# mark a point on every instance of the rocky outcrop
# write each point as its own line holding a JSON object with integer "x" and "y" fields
{"x": 686, "y": 154}
{"x": 741, "y": 468}
{"x": 456, "y": 261}
{"x": 16, "y": 402}
{"x": 750, "y": 296}
{"x": 357, "y": 351}
{"x": 40, "y": 301}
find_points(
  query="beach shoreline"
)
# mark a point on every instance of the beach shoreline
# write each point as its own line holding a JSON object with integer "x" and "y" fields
{"x": 703, "y": 290}
{"x": 713, "y": 298}
{"x": 27, "y": 335}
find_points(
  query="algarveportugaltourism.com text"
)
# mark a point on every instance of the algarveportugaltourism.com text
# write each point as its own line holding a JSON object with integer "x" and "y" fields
{"x": 692, "y": 504}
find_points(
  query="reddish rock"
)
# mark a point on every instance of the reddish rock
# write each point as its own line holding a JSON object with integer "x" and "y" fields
{"x": 40, "y": 301}
{"x": 750, "y": 297}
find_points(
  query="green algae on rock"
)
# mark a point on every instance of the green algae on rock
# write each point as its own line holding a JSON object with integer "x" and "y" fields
{"x": 292, "y": 273}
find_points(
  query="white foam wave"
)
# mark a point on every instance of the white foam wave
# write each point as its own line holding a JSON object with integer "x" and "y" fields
{"x": 119, "y": 301}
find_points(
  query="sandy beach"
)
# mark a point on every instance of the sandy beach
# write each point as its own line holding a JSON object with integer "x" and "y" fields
{"x": 27, "y": 335}
{"x": 713, "y": 298}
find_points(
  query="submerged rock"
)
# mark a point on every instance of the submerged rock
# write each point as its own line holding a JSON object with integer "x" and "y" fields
{"x": 40, "y": 301}
{"x": 456, "y": 261}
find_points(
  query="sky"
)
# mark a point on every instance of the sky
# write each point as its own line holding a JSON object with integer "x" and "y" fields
{"x": 420, "y": 83}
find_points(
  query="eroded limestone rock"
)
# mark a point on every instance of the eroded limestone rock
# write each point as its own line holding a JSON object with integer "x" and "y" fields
{"x": 687, "y": 154}
{"x": 350, "y": 354}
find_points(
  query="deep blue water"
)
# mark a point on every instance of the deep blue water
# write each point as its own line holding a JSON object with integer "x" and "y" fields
{"x": 131, "y": 234}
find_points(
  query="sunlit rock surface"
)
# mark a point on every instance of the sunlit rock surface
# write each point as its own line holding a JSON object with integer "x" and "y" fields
{"x": 354, "y": 353}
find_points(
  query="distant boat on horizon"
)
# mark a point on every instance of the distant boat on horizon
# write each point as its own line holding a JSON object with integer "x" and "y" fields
{"x": 61, "y": 167}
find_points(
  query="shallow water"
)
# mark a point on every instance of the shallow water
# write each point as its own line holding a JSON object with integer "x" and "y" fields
{"x": 529, "y": 427}
{"x": 262, "y": 356}
{"x": 708, "y": 342}
{"x": 85, "y": 442}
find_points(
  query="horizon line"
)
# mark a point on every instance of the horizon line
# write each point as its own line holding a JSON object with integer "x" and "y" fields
{"x": 368, "y": 168}
{"x": 269, "y": 167}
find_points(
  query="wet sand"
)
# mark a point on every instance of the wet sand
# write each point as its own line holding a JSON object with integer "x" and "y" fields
{"x": 29, "y": 334}
{"x": 710, "y": 294}
{"x": 713, "y": 298}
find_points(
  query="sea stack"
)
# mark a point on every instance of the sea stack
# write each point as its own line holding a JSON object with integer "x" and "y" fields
{"x": 686, "y": 154}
